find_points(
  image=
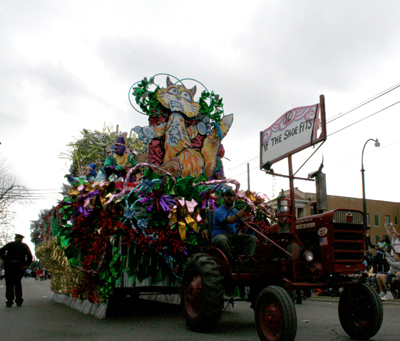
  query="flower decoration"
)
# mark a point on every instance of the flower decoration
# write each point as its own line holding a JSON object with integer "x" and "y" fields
{"x": 209, "y": 198}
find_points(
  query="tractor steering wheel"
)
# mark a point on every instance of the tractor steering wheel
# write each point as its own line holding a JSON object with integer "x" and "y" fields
{"x": 241, "y": 219}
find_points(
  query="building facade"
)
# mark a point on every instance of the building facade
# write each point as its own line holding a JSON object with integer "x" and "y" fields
{"x": 379, "y": 213}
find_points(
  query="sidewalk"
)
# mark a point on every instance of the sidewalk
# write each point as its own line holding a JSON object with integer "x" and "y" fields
{"x": 336, "y": 299}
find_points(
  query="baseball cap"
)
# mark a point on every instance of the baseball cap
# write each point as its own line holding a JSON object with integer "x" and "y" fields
{"x": 229, "y": 191}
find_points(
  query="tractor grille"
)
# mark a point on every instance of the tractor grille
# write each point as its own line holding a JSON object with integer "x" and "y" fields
{"x": 341, "y": 217}
{"x": 348, "y": 237}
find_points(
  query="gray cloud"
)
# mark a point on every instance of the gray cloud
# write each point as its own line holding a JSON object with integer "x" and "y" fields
{"x": 66, "y": 66}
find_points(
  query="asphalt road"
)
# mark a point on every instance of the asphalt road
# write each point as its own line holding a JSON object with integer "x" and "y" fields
{"x": 40, "y": 318}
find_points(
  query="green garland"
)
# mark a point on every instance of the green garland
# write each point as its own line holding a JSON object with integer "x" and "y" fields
{"x": 149, "y": 104}
{"x": 215, "y": 109}
{"x": 146, "y": 99}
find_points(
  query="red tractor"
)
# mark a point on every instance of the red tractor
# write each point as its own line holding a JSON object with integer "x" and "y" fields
{"x": 321, "y": 251}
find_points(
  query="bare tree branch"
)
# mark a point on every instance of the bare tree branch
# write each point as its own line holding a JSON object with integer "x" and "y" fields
{"x": 11, "y": 193}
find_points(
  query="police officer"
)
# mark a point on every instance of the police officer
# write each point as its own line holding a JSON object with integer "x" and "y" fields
{"x": 17, "y": 257}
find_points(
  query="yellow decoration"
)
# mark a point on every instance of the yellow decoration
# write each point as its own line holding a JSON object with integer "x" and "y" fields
{"x": 63, "y": 277}
{"x": 180, "y": 215}
{"x": 250, "y": 196}
{"x": 73, "y": 191}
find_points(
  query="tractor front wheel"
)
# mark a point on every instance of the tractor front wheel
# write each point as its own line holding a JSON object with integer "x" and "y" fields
{"x": 360, "y": 311}
{"x": 275, "y": 314}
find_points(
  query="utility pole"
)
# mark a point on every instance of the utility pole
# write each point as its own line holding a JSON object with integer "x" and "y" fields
{"x": 248, "y": 176}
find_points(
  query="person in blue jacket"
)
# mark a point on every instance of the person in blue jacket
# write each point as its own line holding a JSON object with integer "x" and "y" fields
{"x": 225, "y": 231}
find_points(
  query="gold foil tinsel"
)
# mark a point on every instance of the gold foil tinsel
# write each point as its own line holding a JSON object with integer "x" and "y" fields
{"x": 63, "y": 276}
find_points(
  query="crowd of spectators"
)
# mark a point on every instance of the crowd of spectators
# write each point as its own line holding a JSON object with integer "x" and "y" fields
{"x": 385, "y": 267}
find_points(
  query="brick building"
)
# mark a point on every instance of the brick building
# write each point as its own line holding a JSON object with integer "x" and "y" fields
{"x": 379, "y": 212}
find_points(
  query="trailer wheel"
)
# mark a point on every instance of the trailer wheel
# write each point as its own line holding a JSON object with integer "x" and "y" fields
{"x": 202, "y": 292}
{"x": 275, "y": 314}
{"x": 360, "y": 311}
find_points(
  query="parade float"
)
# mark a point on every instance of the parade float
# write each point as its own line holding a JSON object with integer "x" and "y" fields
{"x": 137, "y": 231}
{"x": 142, "y": 229}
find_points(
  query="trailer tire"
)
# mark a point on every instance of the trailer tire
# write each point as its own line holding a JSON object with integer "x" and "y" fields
{"x": 202, "y": 292}
{"x": 360, "y": 311}
{"x": 275, "y": 315}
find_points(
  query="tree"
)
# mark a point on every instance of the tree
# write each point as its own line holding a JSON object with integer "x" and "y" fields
{"x": 11, "y": 193}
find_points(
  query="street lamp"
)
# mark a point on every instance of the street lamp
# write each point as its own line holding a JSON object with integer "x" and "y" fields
{"x": 377, "y": 144}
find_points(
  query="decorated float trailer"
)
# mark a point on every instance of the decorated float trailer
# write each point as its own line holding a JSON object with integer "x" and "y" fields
{"x": 131, "y": 231}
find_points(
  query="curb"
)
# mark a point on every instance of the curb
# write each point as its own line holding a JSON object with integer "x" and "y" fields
{"x": 336, "y": 299}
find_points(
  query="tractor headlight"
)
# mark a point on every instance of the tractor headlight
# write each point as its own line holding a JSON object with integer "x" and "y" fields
{"x": 309, "y": 256}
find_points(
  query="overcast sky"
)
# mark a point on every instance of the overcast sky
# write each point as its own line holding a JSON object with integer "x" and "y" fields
{"x": 68, "y": 65}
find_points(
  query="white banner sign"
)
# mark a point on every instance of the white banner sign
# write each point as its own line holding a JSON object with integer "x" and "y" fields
{"x": 295, "y": 129}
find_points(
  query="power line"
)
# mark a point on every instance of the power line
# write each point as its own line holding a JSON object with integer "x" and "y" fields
{"x": 257, "y": 167}
{"x": 35, "y": 198}
{"x": 245, "y": 172}
{"x": 34, "y": 194}
{"x": 51, "y": 190}
{"x": 358, "y": 156}
{"x": 365, "y": 118}
{"x": 243, "y": 163}
{"x": 32, "y": 190}
{"x": 343, "y": 114}
{"x": 340, "y": 115}
{"x": 27, "y": 194}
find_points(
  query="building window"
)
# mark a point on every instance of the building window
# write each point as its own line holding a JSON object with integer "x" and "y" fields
{"x": 368, "y": 222}
{"x": 387, "y": 220}
{"x": 376, "y": 220}
{"x": 300, "y": 212}
{"x": 396, "y": 220}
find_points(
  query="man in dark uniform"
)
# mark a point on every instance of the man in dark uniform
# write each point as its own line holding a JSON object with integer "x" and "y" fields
{"x": 17, "y": 257}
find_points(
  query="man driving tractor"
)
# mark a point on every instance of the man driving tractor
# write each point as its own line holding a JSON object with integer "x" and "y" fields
{"x": 226, "y": 226}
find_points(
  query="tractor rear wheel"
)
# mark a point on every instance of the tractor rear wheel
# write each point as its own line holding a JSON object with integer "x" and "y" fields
{"x": 360, "y": 311}
{"x": 202, "y": 292}
{"x": 275, "y": 314}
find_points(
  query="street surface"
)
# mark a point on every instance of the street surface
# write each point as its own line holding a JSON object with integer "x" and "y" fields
{"x": 40, "y": 318}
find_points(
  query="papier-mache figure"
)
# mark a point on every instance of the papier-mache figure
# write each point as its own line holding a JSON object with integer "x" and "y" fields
{"x": 219, "y": 169}
{"x": 183, "y": 140}
{"x": 119, "y": 162}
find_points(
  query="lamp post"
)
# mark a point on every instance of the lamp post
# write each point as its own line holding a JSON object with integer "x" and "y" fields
{"x": 377, "y": 144}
